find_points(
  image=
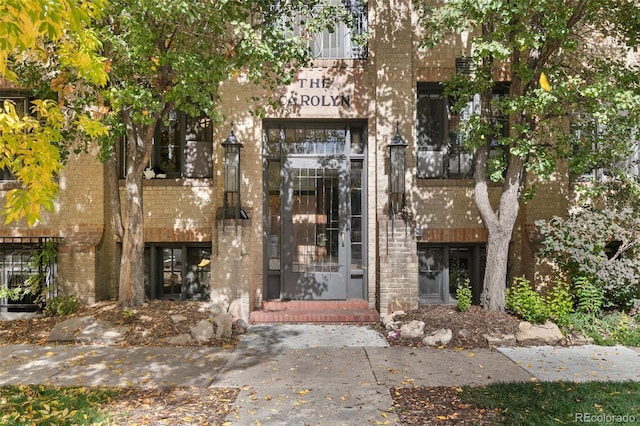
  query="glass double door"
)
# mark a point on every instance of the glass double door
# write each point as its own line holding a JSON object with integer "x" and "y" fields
{"x": 316, "y": 231}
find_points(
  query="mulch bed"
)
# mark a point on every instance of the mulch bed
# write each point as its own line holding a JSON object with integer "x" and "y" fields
{"x": 147, "y": 325}
{"x": 438, "y": 406}
{"x": 468, "y": 327}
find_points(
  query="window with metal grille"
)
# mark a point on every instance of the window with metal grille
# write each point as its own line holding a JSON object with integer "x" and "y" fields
{"x": 20, "y": 263}
{"x": 587, "y": 133}
{"x": 345, "y": 35}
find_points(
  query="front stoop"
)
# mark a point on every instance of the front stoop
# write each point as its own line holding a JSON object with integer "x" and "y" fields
{"x": 315, "y": 312}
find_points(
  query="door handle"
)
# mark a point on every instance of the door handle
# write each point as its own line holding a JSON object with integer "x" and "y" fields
{"x": 342, "y": 237}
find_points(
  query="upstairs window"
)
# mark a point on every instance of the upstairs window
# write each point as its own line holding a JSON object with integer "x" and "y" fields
{"x": 182, "y": 148}
{"x": 588, "y": 133}
{"x": 344, "y": 36}
{"x": 439, "y": 145}
{"x": 439, "y": 133}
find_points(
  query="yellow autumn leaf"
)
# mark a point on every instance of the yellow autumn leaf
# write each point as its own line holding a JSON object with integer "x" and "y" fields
{"x": 303, "y": 392}
{"x": 544, "y": 83}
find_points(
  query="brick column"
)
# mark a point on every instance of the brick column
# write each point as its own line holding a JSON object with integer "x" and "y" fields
{"x": 398, "y": 265}
{"x": 231, "y": 267}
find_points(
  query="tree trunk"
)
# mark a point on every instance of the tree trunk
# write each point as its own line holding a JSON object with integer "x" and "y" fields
{"x": 139, "y": 140}
{"x": 132, "y": 258}
{"x": 495, "y": 275}
{"x": 114, "y": 196}
{"x": 499, "y": 225}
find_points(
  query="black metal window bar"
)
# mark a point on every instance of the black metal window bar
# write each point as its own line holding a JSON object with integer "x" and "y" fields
{"x": 20, "y": 265}
{"x": 343, "y": 39}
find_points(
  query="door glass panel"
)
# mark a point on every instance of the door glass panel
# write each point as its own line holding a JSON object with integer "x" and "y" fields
{"x": 273, "y": 188}
{"x": 171, "y": 271}
{"x": 315, "y": 220}
{"x": 198, "y": 274}
{"x": 356, "y": 215}
{"x": 459, "y": 268}
{"x": 431, "y": 273}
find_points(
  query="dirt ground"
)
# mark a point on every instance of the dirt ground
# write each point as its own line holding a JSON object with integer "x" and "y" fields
{"x": 151, "y": 324}
{"x": 468, "y": 328}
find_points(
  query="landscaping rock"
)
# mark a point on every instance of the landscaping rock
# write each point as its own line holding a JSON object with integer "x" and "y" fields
{"x": 393, "y": 325}
{"x": 180, "y": 339}
{"x": 86, "y": 330}
{"x": 389, "y": 322}
{"x": 412, "y": 330}
{"x": 539, "y": 334}
{"x": 241, "y": 326}
{"x": 202, "y": 331}
{"x": 465, "y": 333}
{"x": 439, "y": 337}
{"x": 178, "y": 318}
{"x": 577, "y": 339}
{"x": 498, "y": 340}
{"x": 224, "y": 324}
{"x": 214, "y": 308}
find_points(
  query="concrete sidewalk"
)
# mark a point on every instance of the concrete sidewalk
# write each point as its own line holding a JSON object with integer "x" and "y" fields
{"x": 310, "y": 374}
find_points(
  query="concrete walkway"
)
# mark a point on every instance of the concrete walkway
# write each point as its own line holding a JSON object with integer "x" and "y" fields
{"x": 303, "y": 374}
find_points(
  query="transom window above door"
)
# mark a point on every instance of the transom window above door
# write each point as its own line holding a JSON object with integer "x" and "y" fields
{"x": 314, "y": 140}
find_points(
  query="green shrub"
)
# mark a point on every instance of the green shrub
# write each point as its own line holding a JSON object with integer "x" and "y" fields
{"x": 609, "y": 329}
{"x": 560, "y": 303}
{"x": 525, "y": 302}
{"x": 61, "y": 305}
{"x": 601, "y": 244}
{"x": 463, "y": 296}
{"x": 589, "y": 296}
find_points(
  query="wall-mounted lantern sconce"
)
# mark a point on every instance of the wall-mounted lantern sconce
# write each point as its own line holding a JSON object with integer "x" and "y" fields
{"x": 397, "y": 166}
{"x": 231, "y": 203}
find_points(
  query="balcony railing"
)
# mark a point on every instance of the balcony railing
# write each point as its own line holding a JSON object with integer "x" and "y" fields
{"x": 345, "y": 35}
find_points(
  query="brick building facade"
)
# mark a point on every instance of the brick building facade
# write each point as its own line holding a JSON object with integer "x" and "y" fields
{"x": 314, "y": 186}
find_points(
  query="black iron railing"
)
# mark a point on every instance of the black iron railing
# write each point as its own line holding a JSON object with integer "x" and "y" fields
{"x": 28, "y": 272}
{"x": 345, "y": 36}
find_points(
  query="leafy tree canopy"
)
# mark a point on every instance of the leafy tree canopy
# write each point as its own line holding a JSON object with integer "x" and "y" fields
{"x": 564, "y": 60}
{"x": 168, "y": 55}
{"x": 49, "y": 50}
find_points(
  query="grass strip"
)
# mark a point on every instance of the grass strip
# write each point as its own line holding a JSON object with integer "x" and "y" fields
{"x": 49, "y": 405}
{"x": 553, "y": 403}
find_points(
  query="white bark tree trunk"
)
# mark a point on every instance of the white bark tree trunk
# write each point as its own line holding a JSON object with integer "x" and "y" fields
{"x": 499, "y": 224}
{"x": 131, "y": 290}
